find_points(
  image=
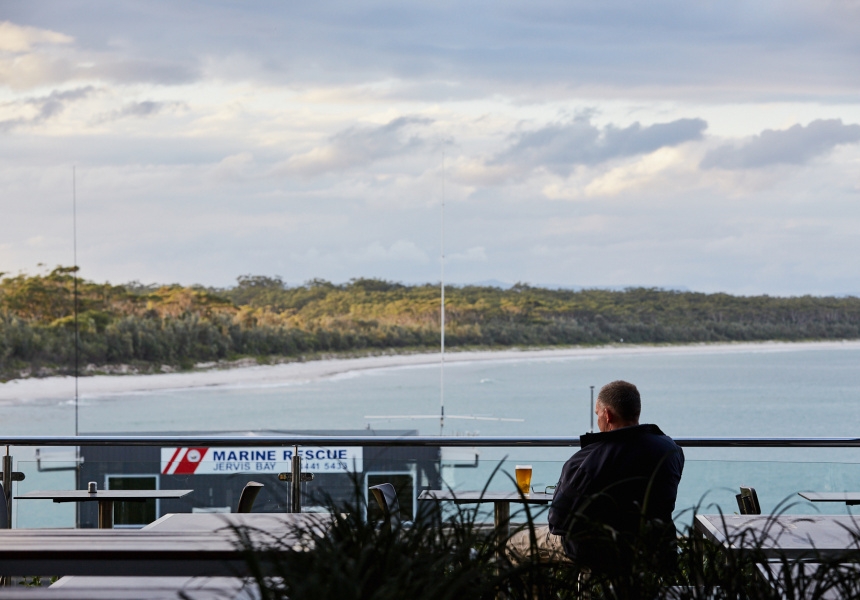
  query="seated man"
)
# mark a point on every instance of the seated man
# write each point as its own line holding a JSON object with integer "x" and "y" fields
{"x": 616, "y": 495}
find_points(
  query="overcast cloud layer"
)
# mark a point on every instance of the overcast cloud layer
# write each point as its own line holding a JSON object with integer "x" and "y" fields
{"x": 707, "y": 146}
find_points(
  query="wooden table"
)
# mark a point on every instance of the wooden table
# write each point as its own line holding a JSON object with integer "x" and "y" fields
{"x": 501, "y": 502}
{"x": 808, "y": 537}
{"x": 849, "y": 498}
{"x": 501, "y": 506}
{"x": 276, "y": 524}
{"x": 105, "y": 498}
{"x": 137, "y": 588}
{"x": 173, "y": 588}
{"x": 166, "y": 552}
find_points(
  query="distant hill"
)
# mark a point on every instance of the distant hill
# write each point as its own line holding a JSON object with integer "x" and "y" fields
{"x": 506, "y": 285}
{"x": 151, "y": 326}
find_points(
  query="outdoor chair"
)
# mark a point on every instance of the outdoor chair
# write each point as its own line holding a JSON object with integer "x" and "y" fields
{"x": 748, "y": 501}
{"x": 386, "y": 497}
{"x": 249, "y": 494}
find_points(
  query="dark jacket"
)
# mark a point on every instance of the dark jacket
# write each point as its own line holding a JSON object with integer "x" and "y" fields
{"x": 618, "y": 492}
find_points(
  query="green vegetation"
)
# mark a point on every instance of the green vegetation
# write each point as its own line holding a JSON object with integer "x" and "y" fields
{"x": 148, "y": 327}
{"x": 452, "y": 555}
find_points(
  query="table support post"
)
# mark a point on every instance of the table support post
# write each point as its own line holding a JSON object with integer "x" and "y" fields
{"x": 105, "y": 514}
{"x": 502, "y": 517}
{"x": 698, "y": 541}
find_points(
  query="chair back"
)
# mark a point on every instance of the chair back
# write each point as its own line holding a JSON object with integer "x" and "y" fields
{"x": 748, "y": 501}
{"x": 249, "y": 494}
{"x": 386, "y": 497}
{"x": 4, "y": 509}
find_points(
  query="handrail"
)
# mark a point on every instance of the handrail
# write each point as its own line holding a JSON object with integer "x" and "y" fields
{"x": 373, "y": 440}
{"x": 412, "y": 440}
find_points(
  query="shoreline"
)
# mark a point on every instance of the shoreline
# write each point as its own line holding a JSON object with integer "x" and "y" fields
{"x": 22, "y": 391}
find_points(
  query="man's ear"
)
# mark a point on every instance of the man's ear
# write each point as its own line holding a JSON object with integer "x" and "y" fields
{"x": 611, "y": 417}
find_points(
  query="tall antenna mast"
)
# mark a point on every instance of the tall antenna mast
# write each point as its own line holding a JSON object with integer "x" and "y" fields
{"x": 442, "y": 306}
{"x": 75, "y": 279}
{"x": 441, "y": 340}
{"x": 77, "y": 344}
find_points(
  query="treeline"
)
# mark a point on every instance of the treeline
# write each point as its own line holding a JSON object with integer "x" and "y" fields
{"x": 148, "y": 327}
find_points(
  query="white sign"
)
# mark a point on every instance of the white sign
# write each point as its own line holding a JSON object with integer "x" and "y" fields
{"x": 226, "y": 461}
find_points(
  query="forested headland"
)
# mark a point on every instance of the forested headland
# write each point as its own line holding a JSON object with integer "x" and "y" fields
{"x": 151, "y": 328}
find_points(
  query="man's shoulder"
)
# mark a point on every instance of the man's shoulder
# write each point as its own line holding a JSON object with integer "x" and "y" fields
{"x": 653, "y": 437}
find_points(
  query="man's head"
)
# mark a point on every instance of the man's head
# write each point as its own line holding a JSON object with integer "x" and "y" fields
{"x": 618, "y": 405}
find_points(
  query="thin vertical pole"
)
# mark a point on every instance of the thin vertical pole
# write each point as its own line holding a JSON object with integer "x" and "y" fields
{"x": 77, "y": 335}
{"x": 591, "y": 409}
{"x": 442, "y": 306}
{"x": 75, "y": 293}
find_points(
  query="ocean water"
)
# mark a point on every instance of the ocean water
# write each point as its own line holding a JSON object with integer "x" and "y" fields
{"x": 767, "y": 391}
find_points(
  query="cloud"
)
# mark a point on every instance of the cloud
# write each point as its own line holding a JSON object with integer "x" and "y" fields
{"x": 174, "y": 193}
{"x": 357, "y": 146}
{"x": 31, "y": 71}
{"x": 541, "y": 51}
{"x": 796, "y": 145}
{"x": 163, "y": 72}
{"x": 18, "y": 39}
{"x": 476, "y": 254}
{"x": 666, "y": 168}
{"x": 561, "y": 147}
{"x": 33, "y": 111}
{"x": 31, "y": 57}
{"x": 140, "y": 110}
{"x": 401, "y": 250}
{"x": 235, "y": 167}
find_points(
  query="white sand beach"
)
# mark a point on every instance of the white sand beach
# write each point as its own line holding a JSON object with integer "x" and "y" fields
{"x": 49, "y": 388}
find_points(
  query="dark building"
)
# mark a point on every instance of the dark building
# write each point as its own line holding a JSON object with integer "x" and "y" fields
{"x": 217, "y": 475}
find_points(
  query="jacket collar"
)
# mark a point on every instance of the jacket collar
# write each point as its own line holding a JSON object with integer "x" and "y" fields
{"x": 620, "y": 435}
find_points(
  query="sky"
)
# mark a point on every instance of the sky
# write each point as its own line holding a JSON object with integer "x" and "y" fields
{"x": 709, "y": 146}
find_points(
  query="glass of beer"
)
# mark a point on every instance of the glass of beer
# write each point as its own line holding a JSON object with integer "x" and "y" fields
{"x": 524, "y": 478}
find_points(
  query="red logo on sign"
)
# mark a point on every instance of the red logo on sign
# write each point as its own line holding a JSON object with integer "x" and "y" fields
{"x": 184, "y": 461}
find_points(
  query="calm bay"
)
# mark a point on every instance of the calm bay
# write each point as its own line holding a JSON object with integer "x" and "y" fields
{"x": 760, "y": 390}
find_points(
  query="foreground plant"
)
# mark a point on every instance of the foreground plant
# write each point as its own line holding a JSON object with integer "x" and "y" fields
{"x": 451, "y": 555}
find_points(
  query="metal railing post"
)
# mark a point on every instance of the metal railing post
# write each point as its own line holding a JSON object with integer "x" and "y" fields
{"x": 5, "y": 580}
{"x": 296, "y": 483}
{"x": 7, "y": 486}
